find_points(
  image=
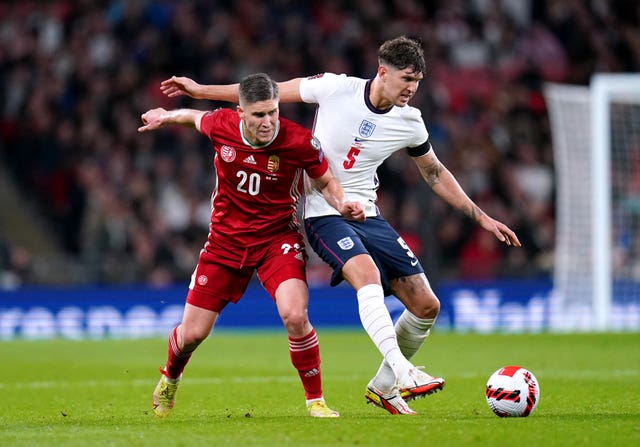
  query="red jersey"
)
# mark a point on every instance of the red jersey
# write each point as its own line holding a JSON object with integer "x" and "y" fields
{"x": 257, "y": 188}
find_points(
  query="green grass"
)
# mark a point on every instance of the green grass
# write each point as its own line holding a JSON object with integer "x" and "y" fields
{"x": 241, "y": 390}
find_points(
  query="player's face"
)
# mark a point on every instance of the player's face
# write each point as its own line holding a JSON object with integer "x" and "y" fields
{"x": 259, "y": 121}
{"x": 400, "y": 85}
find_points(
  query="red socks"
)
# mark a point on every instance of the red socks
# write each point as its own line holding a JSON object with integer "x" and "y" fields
{"x": 305, "y": 356}
{"x": 176, "y": 359}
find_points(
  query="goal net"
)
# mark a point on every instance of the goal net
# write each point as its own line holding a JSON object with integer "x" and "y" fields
{"x": 596, "y": 143}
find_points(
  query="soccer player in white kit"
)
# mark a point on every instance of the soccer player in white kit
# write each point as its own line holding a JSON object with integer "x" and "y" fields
{"x": 360, "y": 123}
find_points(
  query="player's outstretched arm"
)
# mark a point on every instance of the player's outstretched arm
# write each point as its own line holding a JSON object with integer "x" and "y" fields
{"x": 289, "y": 91}
{"x": 183, "y": 86}
{"x": 334, "y": 195}
{"x": 155, "y": 118}
{"x": 443, "y": 183}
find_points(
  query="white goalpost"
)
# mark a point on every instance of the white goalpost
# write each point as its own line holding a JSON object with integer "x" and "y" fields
{"x": 596, "y": 144}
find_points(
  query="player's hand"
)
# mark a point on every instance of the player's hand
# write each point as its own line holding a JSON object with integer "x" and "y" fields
{"x": 353, "y": 211}
{"x": 500, "y": 230}
{"x": 152, "y": 119}
{"x": 180, "y": 85}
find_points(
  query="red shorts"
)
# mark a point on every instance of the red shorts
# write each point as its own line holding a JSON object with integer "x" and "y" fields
{"x": 223, "y": 272}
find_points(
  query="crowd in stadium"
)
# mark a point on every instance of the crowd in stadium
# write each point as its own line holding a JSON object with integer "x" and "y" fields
{"x": 135, "y": 207}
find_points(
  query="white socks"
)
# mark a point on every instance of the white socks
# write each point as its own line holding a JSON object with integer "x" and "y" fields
{"x": 411, "y": 332}
{"x": 377, "y": 322}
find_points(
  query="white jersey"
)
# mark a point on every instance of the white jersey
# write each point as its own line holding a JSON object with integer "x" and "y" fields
{"x": 356, "y": 137}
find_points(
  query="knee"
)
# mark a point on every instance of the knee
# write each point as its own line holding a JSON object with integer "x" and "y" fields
{"x": 428, "y": 306}
{"x": 193, "y": 336}
{"x": 295, "y": 322}
{"x": 431, "y": 308}
{"x": 416, "y": 294}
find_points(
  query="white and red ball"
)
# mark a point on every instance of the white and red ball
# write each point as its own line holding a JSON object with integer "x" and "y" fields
{"x": 512, "y": 391}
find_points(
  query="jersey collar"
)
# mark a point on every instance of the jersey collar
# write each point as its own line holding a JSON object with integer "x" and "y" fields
{"x": 367, "y": 101}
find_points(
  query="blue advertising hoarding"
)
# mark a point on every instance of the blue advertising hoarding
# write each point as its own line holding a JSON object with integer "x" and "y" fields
{"x": 130, "y": 312}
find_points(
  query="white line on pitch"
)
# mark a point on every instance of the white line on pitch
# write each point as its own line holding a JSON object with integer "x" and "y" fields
{"x": 547, "y": 374}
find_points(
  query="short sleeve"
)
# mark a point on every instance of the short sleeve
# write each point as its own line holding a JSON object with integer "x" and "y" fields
{"x": 314, "y": 88}
{"x": 420, "y": 150}
{"x": 209, "y": 122}
{"x": 317, "y": 163}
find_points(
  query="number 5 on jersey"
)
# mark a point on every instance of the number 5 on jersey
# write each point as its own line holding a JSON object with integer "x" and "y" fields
{"x": 351, "y": 158}
{"x": 405, "y": 247}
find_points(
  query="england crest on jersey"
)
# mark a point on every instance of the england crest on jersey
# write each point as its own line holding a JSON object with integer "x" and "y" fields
{"x": 366, "y": 128}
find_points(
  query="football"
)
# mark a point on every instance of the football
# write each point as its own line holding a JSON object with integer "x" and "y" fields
{"x": 512, "y": 391}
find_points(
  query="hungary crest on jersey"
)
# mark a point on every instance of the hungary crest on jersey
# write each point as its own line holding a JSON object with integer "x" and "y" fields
{"x": 273, "y": 164}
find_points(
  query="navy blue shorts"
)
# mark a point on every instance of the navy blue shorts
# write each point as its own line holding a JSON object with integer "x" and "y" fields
{"x": 336, "y": 240}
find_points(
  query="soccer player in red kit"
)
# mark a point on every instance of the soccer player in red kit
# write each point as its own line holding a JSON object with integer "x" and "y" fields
{"x": 259, "y": 160}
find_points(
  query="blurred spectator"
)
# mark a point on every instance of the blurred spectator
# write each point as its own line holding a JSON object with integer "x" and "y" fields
{"x": 76, "y": 76}
{"x": 15, "y": 266}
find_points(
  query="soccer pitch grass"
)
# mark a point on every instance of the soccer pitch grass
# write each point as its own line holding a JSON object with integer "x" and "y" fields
{"x": 241, "y": 390}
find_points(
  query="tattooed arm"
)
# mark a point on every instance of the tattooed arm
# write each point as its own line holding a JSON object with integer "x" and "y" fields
{"x": 443, "y": 183}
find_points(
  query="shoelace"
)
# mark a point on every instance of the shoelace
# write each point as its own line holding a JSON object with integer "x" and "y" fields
{"x": 167, "y": 392}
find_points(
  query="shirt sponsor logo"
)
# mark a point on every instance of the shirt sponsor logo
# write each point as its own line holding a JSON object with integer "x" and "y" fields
{"x": 227, "y": 153}
{"x": 250, "y": 160}
{"x": 366, "y": 128}
{"x": 346, "y": 243}
{"x": 273, "y": 164}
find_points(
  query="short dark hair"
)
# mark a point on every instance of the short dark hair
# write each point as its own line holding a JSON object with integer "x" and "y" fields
{"x": 403, "y": 52}
{"x": 257, "y": 87}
